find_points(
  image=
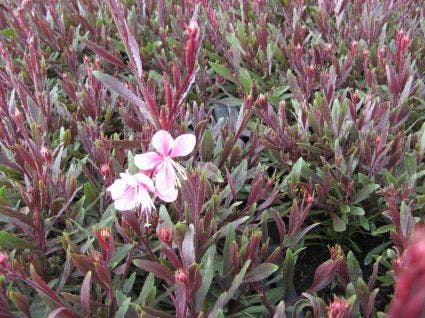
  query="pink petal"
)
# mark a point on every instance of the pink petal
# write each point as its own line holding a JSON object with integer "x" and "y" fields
{"x": 125, "y": 204}
{"x": 183, "y": 145}
{"x": 128, "y": 201}
{"x": 129, "y": 179}
{"x": 145, "y": 200}
{"x": 118, "y": 188}
{"x": 165, "y": 183}
{"x": 145, "y": 182}
{"x": 170, "y": 196}
{"x": 147, "y": 161}
{"x": 163, "y": 142}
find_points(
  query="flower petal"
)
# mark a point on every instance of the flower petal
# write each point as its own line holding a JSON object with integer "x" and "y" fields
{"x": 147, "y": 161}
{"x": 163, "y": 142}
{"x": 125, "y": 204}
{"x": 165, "y": 183}
{"x": 118, "y": 188}
{"x": 145, "y": 182}
{"x": 145, "y": 200}
{"x": 183, "y": 145}
{"x": 170, "y": 196}
{"x": 127, "y": 201}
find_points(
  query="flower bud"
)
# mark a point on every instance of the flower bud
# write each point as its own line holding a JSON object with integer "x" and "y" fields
{"x": 262, "y": 101}
{"x": 46, "y": 154}
{"x": 105, "y": 171}
{"x": 182, "y": 276}
{"x": 165, "y": 235}
{"x": 355, "y": 98}
{"x": 339, "y": 308}
{"x": 17, "y": 115}
{"x": 354, "y": 47}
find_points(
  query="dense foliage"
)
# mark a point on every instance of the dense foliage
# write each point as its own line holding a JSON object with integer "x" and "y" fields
{"x": 299, "y": 173}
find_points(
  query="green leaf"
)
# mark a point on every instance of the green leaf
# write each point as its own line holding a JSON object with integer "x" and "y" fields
{"x": 227, "y": 295}
{"x": 9, "y": 242}
{"x": 207, "y": 274}
{"x": 246, "y": 80}
{"x": 222, "y": 71}
{"x": 146, "y": 289}
{"x": 132, "y": 168}
{"x": 89, "y": 192}
{"x": 123, "y": 308}
{"x": 165, "y": 217}
{"x": 355, "y": 210}
{"x": 365, "y": 192}
{"x": 8, "y": 33}
{"x": 383, "y": 229}
{"x": 354, "y": 270}
{"x": 376, "y": 251}
{"x": 260, "y": 272}
{"x": 288, "y": 276}
{"x": 120, "y": 254}
{"x": 337, "y": 223}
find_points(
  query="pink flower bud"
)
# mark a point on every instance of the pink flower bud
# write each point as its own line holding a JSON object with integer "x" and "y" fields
{"x": 165, "y": 235}
{"x": 46, "y": 154}
{"x": 339, "y": 308}
{"x": 105, "y": 170}
{"x": 182, "y": 276}
{"x": 262, "y": 101}
{"x": 311, "y": 71}
{"x": 328, "y": 49}
{"x": 17, "y": 115}
{"x": 355, "y": 98}
{"x": 4, "y": 259}
{"x": 354, "y": 46}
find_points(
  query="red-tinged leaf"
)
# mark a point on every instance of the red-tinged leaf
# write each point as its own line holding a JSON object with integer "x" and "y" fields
{"x": 280, "y": 225}
{"x": 323, "y": 276}
{"x": 43, "y": 287}
{"x": 172, "y": 258}
{"x": 188, "y": 247}
{"x": 85, "y": 293}
{"x": 134, "y": 51}
{"x": 260, "y": 272}
{"x": 180, "y": 300}
{"x": 157, "y": 269}
{"x": 314, "y": 304}
{"x": 105, "y": 54}
{"x": 122, "y": 90}
{"x": 63, "y": 312}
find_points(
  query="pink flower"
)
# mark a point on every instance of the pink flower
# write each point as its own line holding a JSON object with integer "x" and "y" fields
{"x": 132, "y": 191}
{"x": 166, "y": 179}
